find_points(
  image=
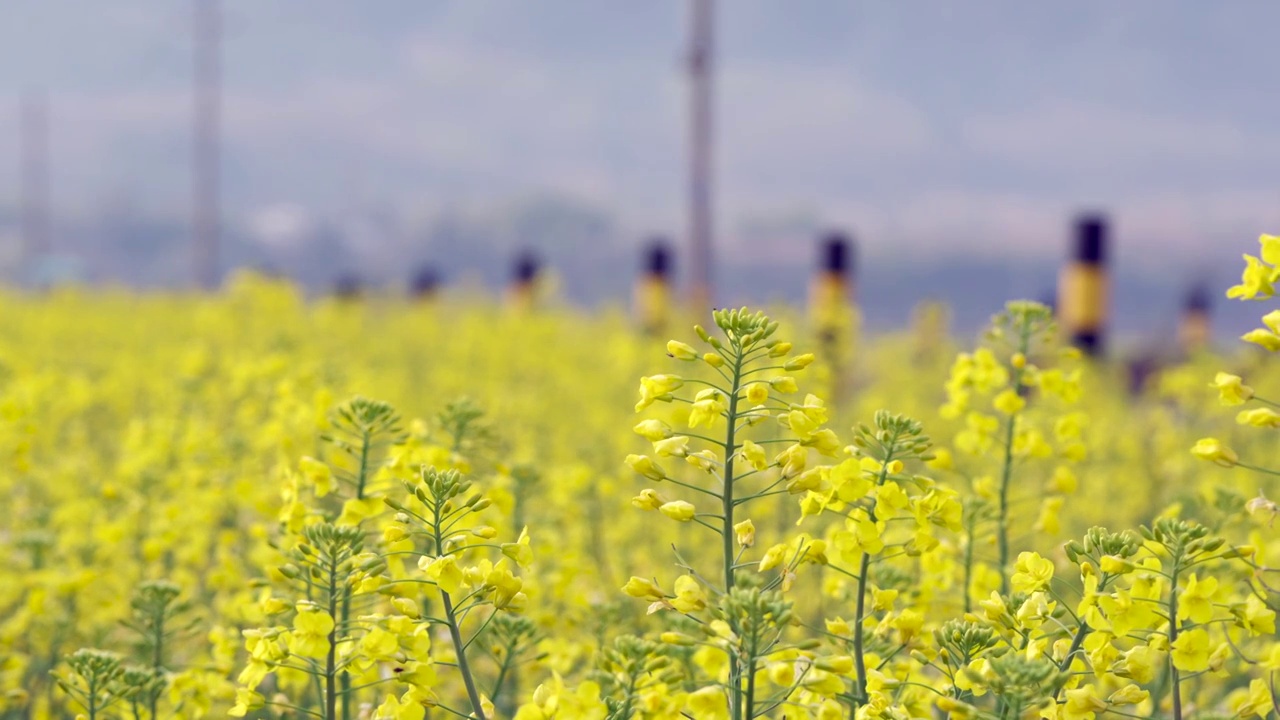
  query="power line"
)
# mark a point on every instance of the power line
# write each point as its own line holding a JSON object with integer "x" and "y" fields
{"x": 35, "y": 177}
{"x": 701, "y": 228}
{"x": 207, "y": 75}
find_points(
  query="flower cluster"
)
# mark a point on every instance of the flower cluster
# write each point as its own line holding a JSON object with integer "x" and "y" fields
{"x": 1032, "y": 428}
{"x": 196, "y": 526}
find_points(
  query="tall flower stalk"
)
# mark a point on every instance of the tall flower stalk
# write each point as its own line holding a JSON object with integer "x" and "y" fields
{"x": 744, "y": 376}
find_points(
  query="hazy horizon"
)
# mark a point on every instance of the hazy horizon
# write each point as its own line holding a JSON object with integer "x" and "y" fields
{"x": 372, "y": 138}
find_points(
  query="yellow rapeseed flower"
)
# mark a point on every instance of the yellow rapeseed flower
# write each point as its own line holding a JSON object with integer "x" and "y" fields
{"x": 1259, "y": 417}
{"x": 310, "y": 635}
{"x": 1195, "y": 602}
{"x": 1255, "y": 281}
{"x": 1191, "y": 650}
{"x": 1231, "y": 388}
{"x": 1263, "y": 338}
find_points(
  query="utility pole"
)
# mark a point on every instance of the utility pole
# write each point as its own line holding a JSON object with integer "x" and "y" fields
{"x": 700, "y": 172}
{"x": 205, "y": 228}
{"x": 35, "y": 178}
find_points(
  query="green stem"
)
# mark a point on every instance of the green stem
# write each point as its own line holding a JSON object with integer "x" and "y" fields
{"x": 968, "y": 564}
{"x": 1006, "y": 475}
{"x": 1075, "y": 647}
{"x": 346, "y": 675}
{"x": 519, "y": 521}
{"x": 858, "y": 618}
{"x": 157, "y": 660}
{"x": 455, "y": 633}
{"x": 726, "y": 533}
{"x": 863, "y": 572}
{"x": 727, "y": 496}
{"x": 364, "y": 466}
{"x": 365, "y": 442}
{"x": 497, "y": 695}
{"x": 331, "y": 659}
{"x": 1173, "y": 637}
{"x": 625, "y": 713}
{"x": 1002, "y": 528}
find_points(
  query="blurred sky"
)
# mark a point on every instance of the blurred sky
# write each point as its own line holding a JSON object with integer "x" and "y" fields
{"x": 975, "y": 127}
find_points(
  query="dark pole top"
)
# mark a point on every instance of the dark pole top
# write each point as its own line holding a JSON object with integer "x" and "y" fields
{"x": 1091, "y": 239}
{"x": 425, "y": 281}
{"x": 837, "y": 254}
{"x": 1198, "y": 300}
{"x": 347, "y": 285}
{"x": 526, "y": 267}
{"x": 657, "y": 259}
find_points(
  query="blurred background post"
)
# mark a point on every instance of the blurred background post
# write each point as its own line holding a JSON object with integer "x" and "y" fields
{"x": 522, "y": 293}
{"x": 652, "y": 297}
{"x": 425, "y": 284}
{"x": 1195, "y": 329}
{"x": 1083, "y": 289}
{"x": 831, "y": 307}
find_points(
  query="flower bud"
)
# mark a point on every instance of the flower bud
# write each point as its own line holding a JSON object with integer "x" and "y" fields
{"x": 645, "y": 465}
{"x": 681, "y": 351}
{"x": 1240, "y": 551}
{"x": 406, "y": 606}
{"x": 704, "y": 460}
{"x": 798, "y": 362}
{"x": 1073, "y": 551}
{"x": 677, "y": 446}
{"x": 784, "y": 384}
{"x": 840, "y": 664}
{"x": 676, "y": 638}
{"x": 1130, "y": 694}
{"x": 678, "y": 510}
{"x": 652, "y": 429}
{"x": 655, "y": 664}
{"x": 1213, "y": 450}
{"x": 639, "y": 587}
{"x": 648, "y": 500}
